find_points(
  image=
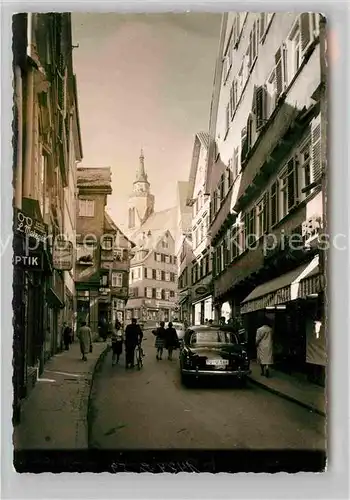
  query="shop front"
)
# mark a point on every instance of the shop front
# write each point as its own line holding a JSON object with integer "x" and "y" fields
{"x": 202, "y": 310}
{"x": 30, "y": 265}
{"x": 292, "y": 311}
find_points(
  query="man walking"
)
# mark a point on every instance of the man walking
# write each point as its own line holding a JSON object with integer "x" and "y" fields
{"x": 171, "y": 340}
{"x": 85, "y": 338}
{"x": 133, "y": 335}
{"x": 264, "y": 347}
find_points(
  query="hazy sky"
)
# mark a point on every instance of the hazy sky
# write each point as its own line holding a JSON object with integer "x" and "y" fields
{"x": 143, "y": 81}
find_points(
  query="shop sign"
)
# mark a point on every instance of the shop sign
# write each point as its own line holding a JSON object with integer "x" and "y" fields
{"x": 62, "y": 255}
{"x": 27, "y": 226}
{"x": 201, "y": 290}
{"x": 32, "y": 261}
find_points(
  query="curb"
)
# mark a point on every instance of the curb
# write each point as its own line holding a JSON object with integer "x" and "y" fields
{"x": 287, "y": 397}
{"x": 97, "y": 366}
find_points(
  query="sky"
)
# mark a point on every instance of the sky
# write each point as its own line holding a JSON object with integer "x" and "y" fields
{"x": 144, "y": 81}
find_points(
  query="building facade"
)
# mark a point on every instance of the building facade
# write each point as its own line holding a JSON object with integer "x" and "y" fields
{"x": 199, "y": 200}
{"x": 43, "y": 102}
{"x": 184, "y": 253}
{"x": 266, "y": 165}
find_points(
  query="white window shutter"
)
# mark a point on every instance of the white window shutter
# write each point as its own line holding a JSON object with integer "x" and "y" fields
{"x": 316, "y": 148}
{"x": 262, "y": 25}
{"x": 305, "y": 31}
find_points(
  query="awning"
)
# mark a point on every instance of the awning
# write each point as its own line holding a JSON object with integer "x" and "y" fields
{"x": 311, "y": 283}
{"x": 183, "y": 297}
{"x": 53, "y": 300}
{"x": 280, "y": 290}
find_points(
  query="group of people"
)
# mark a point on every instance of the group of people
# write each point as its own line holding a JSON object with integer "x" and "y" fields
{"x": 166, "y": 338}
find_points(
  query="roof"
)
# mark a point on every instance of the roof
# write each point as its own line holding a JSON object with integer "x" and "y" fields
{"x": 201, "y": 140}
{"x": 94, "y": 177}
{"x": 110, "y": 225}
{"x": 158, "y": 223}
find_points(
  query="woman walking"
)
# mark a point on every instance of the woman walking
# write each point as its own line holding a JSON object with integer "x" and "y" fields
{"x": 160, "y": 333}
{"x": 171, "y": 340}
{"x": 264, "y": 345}
{"x": 117, "y": 342}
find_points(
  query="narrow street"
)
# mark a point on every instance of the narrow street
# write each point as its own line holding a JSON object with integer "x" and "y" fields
{"x": 150, "y": 409}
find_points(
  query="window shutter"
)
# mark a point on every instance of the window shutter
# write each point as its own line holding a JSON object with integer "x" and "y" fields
{"x": 227, "y": 118}
{"x": 163, "y": 294}
{"x": 280, "y": 70}
{"x": 163, "y": 275}
{"x": 262, "y": 24}
{"x": 250, "y": 123}
{"x": 291, "y": 184}
{"x": 305, "y": 31}
{"x": 235, "y": 162}
{"x": 244, "y": 144}
{"x": 153, "y": 293}
{"x": 145, "y": 291}
{"x": 260, "y": 106}
{"x": 155, "y": 256}
{"x": 154, "y": 274}
{"x": 274, "y": 203}
{"x": 316, "y": 149}
{"x": 266, "y": 213}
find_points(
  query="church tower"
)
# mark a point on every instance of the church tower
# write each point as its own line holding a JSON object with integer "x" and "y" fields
{"x": 141, "y": 201}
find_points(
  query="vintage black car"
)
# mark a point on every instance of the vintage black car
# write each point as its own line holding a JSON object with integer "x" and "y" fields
{"x": 212, "y": 351}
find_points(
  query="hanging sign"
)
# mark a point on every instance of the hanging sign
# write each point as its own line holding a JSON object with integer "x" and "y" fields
{"x": 62, "y": 255}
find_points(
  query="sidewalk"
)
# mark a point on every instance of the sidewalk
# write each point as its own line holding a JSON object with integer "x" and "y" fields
{"x": 304, "y": 393}
{"x": 55, "y": 414}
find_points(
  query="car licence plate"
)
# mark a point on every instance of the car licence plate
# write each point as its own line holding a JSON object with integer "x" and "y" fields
{"x": 217, "y": 362}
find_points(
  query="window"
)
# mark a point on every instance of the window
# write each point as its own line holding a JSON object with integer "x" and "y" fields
{"x": 222, "y": 188}
{"x": 158, "y": 257}
{"x": 280, "y": 70}
{"x": 148, "y": 292}
{"x": 167, "y": 276}
{"x": 163, "y": 294}
{"x": 172, "y": 293}
{"x": 158, "y": 293}
{"x": 107, "y": 243}
{"x": 236, "y": 29}
{"x": 104, "y": 280}
{"x": 288, "y": 188}
{"x": 167, "y": 259}
{"x": 250, "y": 131}
{"x": 148, "y": 273}
{"x": 153, "y": 293}
{"x": 117, "y": 279}
{"x": 264, "y": 24}
{"x": 158, "y": 274}
{"x": 131, "y": 217}
{"x": 165, "y": 244}
{"x": 154, "y": 274}
{"x": 167, "y": 294}
{"x": 86, "y": 208}
{"x": 262, "y": 216}
{"x": 271, "y": 93}
{"x": 172, "y": 276}
{"x": 305, "y": 167}
{"x": 274, "y": 202}
{"x": 249, "y": 227}
{"x": 227, "y": 58}
{"x": 244, "y": 144}
{"x": 233, "y": 97}
{"x": 235, "y": 163}
{"x": 118, "y": 254}
{"x": 253, "y": 46}
{"x": 175, "y": 260}
{"x": 260, "y": 106}
{"x": 228, "y": 177}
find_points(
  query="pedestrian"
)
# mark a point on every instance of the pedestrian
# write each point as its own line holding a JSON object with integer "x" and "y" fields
{"x": 85, "y": 338}
{"x": 171, "y": 340}
{"x": 264, "y": 347}
{"x": 160, "y": 339}
{"x": 117, "y": 342}
{"x": 133, "y": 336}
{"x": 67, "y": 336}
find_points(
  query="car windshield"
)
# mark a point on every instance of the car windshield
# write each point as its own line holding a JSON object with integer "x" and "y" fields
{"x": 212, "y": 337}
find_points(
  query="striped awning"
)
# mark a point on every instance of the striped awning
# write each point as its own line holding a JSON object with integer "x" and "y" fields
{"x": 280, "y": 290}
{"x": 311, "y": 285}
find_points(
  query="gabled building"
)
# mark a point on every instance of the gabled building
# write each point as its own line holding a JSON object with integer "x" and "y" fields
{"x": 266, "y": 171}
{"x": 154, "y": 265}
{"x": 199, "y": 200}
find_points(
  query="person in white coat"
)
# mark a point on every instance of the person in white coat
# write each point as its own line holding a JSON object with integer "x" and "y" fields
{"x": 264, "y": 345}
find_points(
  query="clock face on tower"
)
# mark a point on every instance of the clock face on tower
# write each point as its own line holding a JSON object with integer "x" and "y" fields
{"x": 140, "y": 187}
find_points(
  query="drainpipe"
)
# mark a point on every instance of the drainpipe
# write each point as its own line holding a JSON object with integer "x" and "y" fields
{"x": 19, "y": 166}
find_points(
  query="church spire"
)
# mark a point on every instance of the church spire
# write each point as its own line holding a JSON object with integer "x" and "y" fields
{"x": 141, "y": 175}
